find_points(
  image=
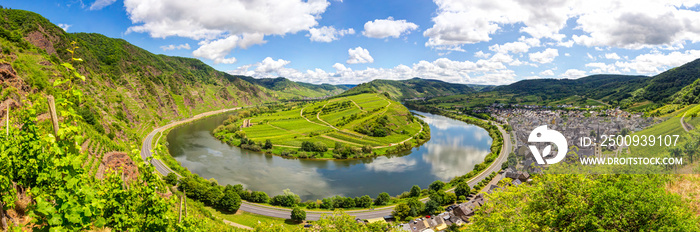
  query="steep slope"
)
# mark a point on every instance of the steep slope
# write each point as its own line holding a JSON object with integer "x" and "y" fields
{"x": 661, "y": 87}
{"x": 601, "y": 87}
{"x": 128, "y": 90}
{"x": 412, "y": 88}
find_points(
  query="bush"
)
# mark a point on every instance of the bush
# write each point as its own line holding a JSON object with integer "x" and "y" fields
{"x": 298, "y": 214}
{"x": 415, "y": 191}
{"x": 170, "y": 179}
{"x": 230, "y": 202}
{"x": 382, "y": 199}
{"x": 436, "y": 185}
{"x": 313, "y": 146}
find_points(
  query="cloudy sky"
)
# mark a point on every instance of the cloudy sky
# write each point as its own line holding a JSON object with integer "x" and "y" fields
{"x": 355, "y": 41}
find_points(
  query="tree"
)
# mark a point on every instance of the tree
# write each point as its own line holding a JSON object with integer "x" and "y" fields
{"x": 288, "y": 199}
{"x": 364, "y": 201}
{"x": 436, "y": 185}
{"x": 462, "y": 189}
{"x": 298, "y": 214}
{"x": 268, "y": 144}
{"x": 382, "y": 199}
{"x": 230, "y": 202}
{"x": 170, "y": 179}
{"x": 259, "y": 197}
{"x": 416, "y": 206}
{"x": 432, "y": 207}
{"x": 401, "y": 211}
{"x": 415, "y": 191}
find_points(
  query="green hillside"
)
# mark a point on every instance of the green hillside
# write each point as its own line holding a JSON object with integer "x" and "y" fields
{"x": 601, "y": 87}
{"x": 287, "y": 89}
{"x": 661, "y": 87}
{"x": 412, "y": 88}
{"x": 352, "y": 126}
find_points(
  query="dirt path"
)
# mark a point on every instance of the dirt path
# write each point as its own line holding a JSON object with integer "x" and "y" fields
{"x": 358, "y": 106}
{"x": 687, "y": 127}
{"x": 319, "y": 118}
{"x": 301, "y": 113}
{"x": 237, "y": 225}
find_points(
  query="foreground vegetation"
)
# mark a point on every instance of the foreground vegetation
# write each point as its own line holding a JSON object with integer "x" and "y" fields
{"x": 556, "y": 202}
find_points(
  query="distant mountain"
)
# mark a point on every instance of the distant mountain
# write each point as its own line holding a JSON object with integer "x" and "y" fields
{"x": 481, "y": 88}
{"x": 601, "y": 87}
{"x": 412, "y": 88}
{"x": 288, "y": 89}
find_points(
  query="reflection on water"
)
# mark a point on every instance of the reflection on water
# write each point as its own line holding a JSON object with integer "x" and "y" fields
{"x": 454, "y": 149}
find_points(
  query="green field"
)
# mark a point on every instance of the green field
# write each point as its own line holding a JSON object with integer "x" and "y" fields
{"x": 370, "y": 121}
{"x": 671, "y": 126}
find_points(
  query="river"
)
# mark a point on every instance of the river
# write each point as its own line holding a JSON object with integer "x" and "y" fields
{"x": 454, "y": 148}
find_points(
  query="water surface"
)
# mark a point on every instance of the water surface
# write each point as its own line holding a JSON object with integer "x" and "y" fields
{"x": 454, "y": 149}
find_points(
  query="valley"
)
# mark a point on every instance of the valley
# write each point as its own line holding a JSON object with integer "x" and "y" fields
{"x": 139, "y": 138}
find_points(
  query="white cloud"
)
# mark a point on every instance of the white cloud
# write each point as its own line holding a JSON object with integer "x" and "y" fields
{"x": 590, "y": 56}
{"x": 643, "y": 24}
{"x": 99, "y": 4}
{"x": 382, "y": 28}
{"x": 223, "y": 25}
{"x": 485, "y": 71}
{"x": 466, "y": 22}
{"x": 568, "y": 43}
{"x": 269, "y": 65}
{"x": 64, "y": 26}
{"x": 574, "y": 73}
{"x": 612, "y": 56}
{"x": 218, "y": 49}
{"x": 359, "y": 55}
{"x": 185, "y": 46}
{"x": 567, "y": 54}
{"x": 547, "y": 72}
{"x": 328, "y": 34}
{"x": 514, "y": 47}
{"x": 481, "y": 54}
{"x": 603, "y": 68}
{"x": 543, "y": 57}
{"x": 654, "y": 63}
{"x": 616, "y": 23}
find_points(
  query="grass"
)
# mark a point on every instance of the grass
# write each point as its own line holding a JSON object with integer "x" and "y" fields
{"x": 252, "y": 220}
{"x": 339, "y": 117}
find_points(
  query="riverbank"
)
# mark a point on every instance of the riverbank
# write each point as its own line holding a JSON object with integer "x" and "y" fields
{"x": 385, "y": 210}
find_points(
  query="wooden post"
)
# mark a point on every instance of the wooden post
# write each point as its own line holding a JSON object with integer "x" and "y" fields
{"x": 2, "y": 215}
{"x": 179, "y": 218}
{"x": 7, "y": 129}
{"x": 184, "y": 195}
{"x": 52, "y": 112}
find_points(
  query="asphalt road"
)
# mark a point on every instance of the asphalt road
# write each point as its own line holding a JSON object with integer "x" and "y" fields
{"x": 312, "y": 215}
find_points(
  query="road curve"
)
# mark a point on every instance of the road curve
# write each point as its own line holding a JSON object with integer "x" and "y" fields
{"x": 311, "y": 215}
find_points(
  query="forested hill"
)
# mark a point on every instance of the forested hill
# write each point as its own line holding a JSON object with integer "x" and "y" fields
{"x": 289, "y": 89}
{"x": 602, "y": 87}
{"x": 128, "y": 89}
{"x": 412, "y": 88}
{"x": 677, "y": 85}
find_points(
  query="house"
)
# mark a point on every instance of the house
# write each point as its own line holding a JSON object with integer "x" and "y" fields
{"x": 492, "y": 188}
{"x": 520, "y": 175}
{"x": 464, "y": 212}
{"x": 419, "y": 225}
{"x": 516, "y": 182}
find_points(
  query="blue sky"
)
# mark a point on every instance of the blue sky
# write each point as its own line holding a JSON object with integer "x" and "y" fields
{"x": 350, "y": 42}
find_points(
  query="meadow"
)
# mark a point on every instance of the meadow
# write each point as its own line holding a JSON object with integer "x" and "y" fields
{"x": 361, "y": 125}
